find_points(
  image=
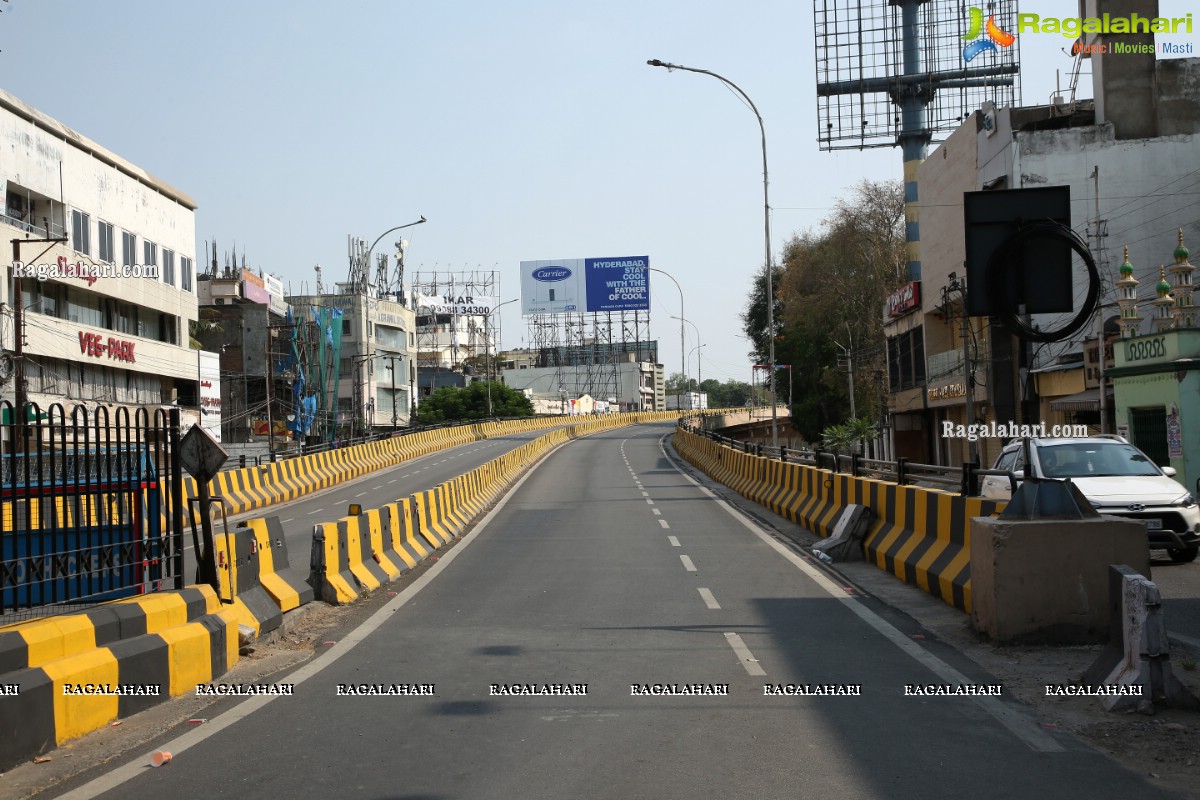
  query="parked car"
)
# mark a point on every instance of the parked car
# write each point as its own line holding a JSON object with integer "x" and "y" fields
{"x": 1117, "y": 479}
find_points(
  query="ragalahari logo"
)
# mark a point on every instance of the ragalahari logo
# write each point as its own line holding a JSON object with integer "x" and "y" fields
{"x": 993, "y": 35}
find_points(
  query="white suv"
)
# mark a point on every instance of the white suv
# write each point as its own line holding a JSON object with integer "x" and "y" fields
{"x": 1117, "y": 479}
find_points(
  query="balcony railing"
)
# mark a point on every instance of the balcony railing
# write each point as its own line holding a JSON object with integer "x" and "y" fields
{"x": 56, "y": 231}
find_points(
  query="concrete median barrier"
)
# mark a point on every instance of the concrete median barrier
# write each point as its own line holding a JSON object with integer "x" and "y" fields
{"x": 919, "y": 535}
{"x": 288, "y": 588}
{"x": 239, "y": 583}
{"x": 79, "y": 672}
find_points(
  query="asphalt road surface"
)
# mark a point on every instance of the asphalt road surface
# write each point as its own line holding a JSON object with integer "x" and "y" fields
{"x": 370, "y": 491}
{"x": 607, "y": 567}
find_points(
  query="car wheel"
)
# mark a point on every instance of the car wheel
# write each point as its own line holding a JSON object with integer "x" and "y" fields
{"x": 1183, "y": 555}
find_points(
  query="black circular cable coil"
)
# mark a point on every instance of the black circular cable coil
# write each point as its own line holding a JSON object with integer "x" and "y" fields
{"x": 1010, "y": 250}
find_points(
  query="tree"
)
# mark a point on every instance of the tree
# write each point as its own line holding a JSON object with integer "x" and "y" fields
{"x": 829, "y": 291}
{"x": 731, "y": 394}
{"x": 454, "y": 403}
{"x": 678, "y": 383}
{"x": 205, "y": 329}
{"x": 839, "y": 438}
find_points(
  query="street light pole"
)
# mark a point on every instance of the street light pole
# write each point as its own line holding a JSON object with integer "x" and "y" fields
{"x": 694, "y": 350}
{"x": 682, "y": 330}
{"x": 766, "y": 229}
{"x": 488, "y": 336}
{"x": 367, "y": 265}
{"x": 697, "y": 330}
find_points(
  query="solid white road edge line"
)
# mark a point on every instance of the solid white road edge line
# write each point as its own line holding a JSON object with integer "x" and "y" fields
{"x": 137, "y": 766}
{"x": 1016, "y": 722}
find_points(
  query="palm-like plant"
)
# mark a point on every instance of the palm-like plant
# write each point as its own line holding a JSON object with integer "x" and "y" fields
{"x": 864, "y": 430}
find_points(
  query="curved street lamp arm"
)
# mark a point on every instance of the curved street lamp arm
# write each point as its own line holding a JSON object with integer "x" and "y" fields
{"x": 391, "y": 230}
{"x": 770, "y": 269}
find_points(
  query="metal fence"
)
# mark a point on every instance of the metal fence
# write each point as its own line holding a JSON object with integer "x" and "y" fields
{"x": 963, "y": 479}
{"x": 90, "y": 507}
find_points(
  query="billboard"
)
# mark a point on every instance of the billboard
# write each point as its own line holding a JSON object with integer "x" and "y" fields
{"x": 455, "y": 303}
{"x": 275, "y": 295}
{"x": 579, "y": 285}
{"x": 209, "y": 369}
{"x": 254, "y": 288}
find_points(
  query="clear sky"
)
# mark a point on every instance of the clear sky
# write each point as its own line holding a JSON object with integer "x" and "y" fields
{"x": 523, "y": 130}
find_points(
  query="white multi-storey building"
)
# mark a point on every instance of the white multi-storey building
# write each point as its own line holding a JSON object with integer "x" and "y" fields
{"x": 377, "y": 374}
{"x": 103, "y": 338}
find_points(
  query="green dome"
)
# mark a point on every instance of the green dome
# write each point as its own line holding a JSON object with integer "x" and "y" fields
{"x": 1163, "y": 287}
{"x": 1181, "y": 252}
{"x": 1126, "y": 268}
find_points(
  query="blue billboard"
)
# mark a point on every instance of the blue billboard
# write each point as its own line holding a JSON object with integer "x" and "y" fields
{"x": 618, "y": 284}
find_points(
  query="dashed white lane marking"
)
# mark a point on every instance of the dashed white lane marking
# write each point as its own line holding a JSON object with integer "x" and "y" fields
{"x": 289, "y": 519}
{"x": 673, "y": 540}
{"x": 656, "y": 511}
{"x": 747, "y": 659}
{"x": 316, "y": 511}
{"x": 687, "y": 564}
{"x": 1017, "y": 723}
{"x": 393, "y": 480}
{"x": 708, "y": 598}
{"x": 360, "y": 494}
{"x": 664, "y": 523}
{"x": 648, "y": 500}
{"x": 645, "y": 494}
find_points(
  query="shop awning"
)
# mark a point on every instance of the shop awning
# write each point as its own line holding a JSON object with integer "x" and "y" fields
{"x": 1087, "y": 400}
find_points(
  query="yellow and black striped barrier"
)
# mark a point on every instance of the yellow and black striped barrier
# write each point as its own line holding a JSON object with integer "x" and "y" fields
{"x": 83, "y": 671}
{"x": 358, "y": 554}
{"x": 288, "y": 588}
{"x": 919, "y": 535}
{"x": 239, "y": 584}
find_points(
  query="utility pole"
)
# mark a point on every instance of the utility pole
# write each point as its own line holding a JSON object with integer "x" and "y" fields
{"x": 19, "y": 390}
{"x": 848, "y": 363}
{"x": 270, "y": 373}
{"x": 1102, "y": 348}
{"x": 957, "y": 286}
{"x": 392, "y": 367}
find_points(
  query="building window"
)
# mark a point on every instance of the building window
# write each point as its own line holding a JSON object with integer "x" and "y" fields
{"x": 149, "y": 255}
{"x": 185, "y": 273}
{"x": 80, "y": 230}
{"x": 906, "y": 360}
{"x": 345, "y": 327}
{"x": 168, "y": 267}
{"x": 168, "y": 328}
{"x": 104, "y": 238}
{"x": 128, "y": 249}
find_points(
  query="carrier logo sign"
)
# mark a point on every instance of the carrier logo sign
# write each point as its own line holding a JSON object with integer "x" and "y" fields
{"x": 551, "y": 274}
{"x": 992, "y": 35}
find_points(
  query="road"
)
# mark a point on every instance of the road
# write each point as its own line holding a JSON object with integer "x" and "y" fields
{"x": 370, "y": 491}
{"x": 606, "y": 566}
